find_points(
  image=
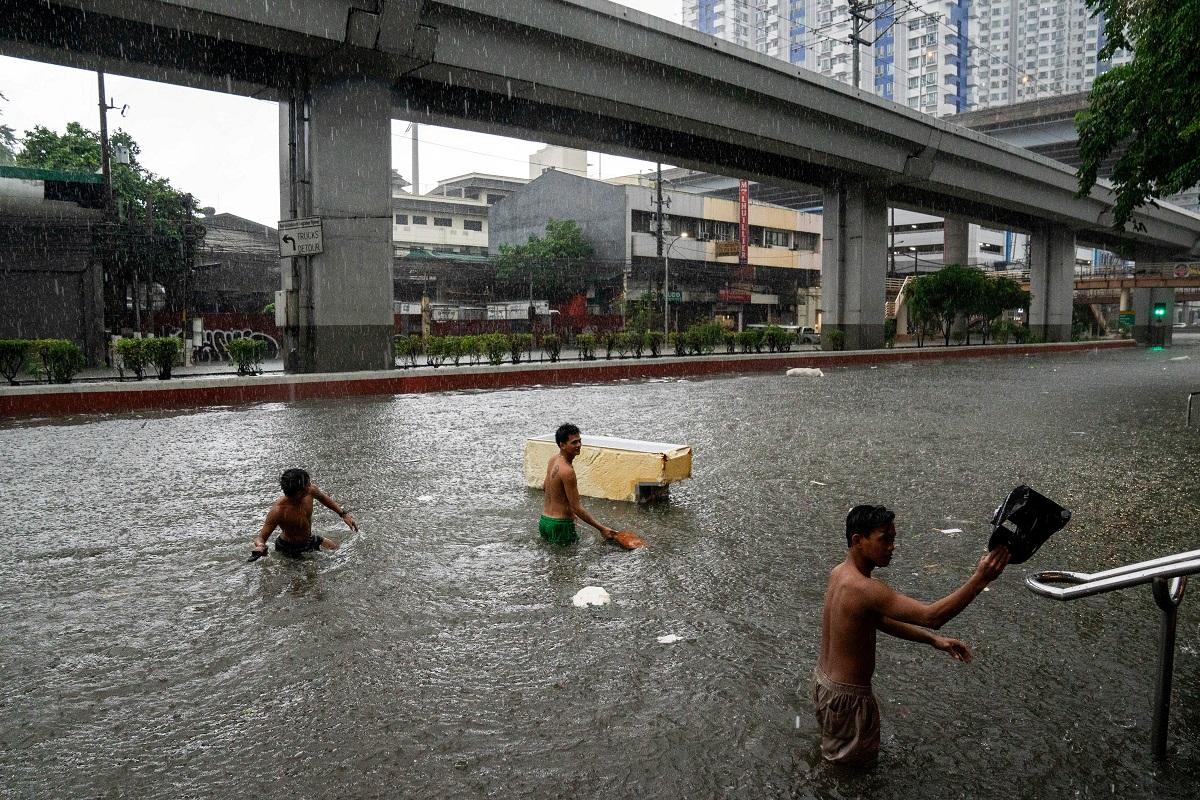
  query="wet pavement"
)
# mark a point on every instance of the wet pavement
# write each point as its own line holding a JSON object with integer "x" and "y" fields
{"x": 438, "y": 653}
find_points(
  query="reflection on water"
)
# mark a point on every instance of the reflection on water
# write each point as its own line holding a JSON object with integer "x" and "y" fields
{"x": 437, "y": 654}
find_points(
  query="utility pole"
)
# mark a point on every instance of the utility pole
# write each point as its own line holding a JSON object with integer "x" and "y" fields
{"x": 858, "y": 14}
{"x": 658, "y": 216}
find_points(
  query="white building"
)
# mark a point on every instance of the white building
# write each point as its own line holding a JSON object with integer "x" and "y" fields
{"x": 939, "y": 57}
{"x": 452, "y": 218}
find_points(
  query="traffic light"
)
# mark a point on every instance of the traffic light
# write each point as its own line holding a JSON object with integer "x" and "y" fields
{"x": 1160, "y": 310}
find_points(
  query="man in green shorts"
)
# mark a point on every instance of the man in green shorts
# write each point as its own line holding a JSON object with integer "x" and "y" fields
{"x": 562, "y": 505}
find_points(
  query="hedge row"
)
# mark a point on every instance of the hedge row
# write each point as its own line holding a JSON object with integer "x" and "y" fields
{"x": 52, "y": 360}
{"x": 496, "y": 348}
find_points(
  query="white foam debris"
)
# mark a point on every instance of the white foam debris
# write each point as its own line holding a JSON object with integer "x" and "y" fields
{"x": 818, "y": 483}
{"x": 1179, "y": 358}
{"x": 805, "y": 372}
{"x": 948, "y": 530}
{"x": 425, "y": 498}
{"x": 591, "y": 596}
{"x": 670, "y": 638}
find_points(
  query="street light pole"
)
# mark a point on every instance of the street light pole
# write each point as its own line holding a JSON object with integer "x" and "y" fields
{"x": 666, "y": 284}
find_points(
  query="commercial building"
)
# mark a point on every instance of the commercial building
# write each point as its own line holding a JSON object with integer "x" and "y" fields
{"x": 700, "y": 249}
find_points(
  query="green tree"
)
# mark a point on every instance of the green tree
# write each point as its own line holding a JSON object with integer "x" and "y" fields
{"x": 1148, "y": 110}
{"x": 948, "y": 293}
{"x": 555, "y": 262}
{"x": 997, "y": 296}
{"x": 155, "y": 235}
{"x": 8, "y": 141}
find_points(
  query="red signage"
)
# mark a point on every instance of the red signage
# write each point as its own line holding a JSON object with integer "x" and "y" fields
{"x": 743, "y": 221}
{"x": 733, "y": 296}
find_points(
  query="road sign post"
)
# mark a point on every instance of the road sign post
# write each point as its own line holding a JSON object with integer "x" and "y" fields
{"x": 300, "y": 237}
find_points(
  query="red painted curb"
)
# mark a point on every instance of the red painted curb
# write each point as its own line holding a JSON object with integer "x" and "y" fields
{"x": 103, "y": 399}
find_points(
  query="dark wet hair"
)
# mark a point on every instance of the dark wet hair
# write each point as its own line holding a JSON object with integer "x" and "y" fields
{"x": 864, "y": 519}
{"x": 293, "y": 482}
{"x": 564, "y": 432}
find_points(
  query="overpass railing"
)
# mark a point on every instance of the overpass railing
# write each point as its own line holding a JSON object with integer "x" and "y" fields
{"x": 1168, "y": 579}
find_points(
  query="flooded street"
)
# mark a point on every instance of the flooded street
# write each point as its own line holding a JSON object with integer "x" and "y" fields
{"x": 438, "y": 654}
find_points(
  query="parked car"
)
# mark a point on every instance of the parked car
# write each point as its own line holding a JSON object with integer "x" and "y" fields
{"x": 808, "y": 335}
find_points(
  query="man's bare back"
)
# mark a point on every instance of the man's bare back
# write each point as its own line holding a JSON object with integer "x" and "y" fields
{"x": 556, "y": 504}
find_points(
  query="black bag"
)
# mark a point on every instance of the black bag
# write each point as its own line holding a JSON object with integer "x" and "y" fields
{"x": 1024, "y": 522}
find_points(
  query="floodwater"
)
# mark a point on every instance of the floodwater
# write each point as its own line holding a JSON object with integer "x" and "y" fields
{"x": 438, "y": 653}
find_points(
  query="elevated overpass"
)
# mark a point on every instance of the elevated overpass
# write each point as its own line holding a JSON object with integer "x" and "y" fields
{"x": 583, "y": 73}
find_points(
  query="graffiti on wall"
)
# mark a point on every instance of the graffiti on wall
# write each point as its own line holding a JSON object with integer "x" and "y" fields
{"x": 214, "y": 347}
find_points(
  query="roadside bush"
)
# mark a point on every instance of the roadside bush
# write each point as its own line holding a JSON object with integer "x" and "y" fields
{"x": 586, "y": 343}
{"x": 655, "y": 341}
{"x": 680, "y": 343}
{"x": 836, "y": 339}
{"x": 407, "y": 350}
{"x": 623, "y": 343}
{"x": 777, "y": 339}
{"x": 889, "y": 333}
{"x": 472, "y": 348}
{"x": 696, "y": 342}
{"x": 706, "y": 337}
{"x": 454, "y": 348}
{"x": 247, "y": 354}
{"x": 1002, "y": 331}
{"x": 435, "y": 351}
{"x": 552, "y": 345}
{"x": 1020, "y": 334}
{"x": 637, "y": 342}
{"x": 164, "y": 351}
{"x": 60, "y": 359}
{"x": 745, "y": 340}
{"x": 14, "y": 356}
{"x": 731, "y": 342}
{"x": 609, "y": 340}
{"x": 133, "y": 356}
{"x": 494, "y": 346}
{"x": 520, "y": 344}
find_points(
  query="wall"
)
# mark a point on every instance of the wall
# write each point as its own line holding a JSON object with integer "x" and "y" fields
{"x": 49, "y": 287}
{"x": 598, "y": 207}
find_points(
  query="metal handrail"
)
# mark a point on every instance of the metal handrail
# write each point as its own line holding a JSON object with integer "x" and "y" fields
{"x": 1084, "y": 584}
{"x": 1168, "y": 576}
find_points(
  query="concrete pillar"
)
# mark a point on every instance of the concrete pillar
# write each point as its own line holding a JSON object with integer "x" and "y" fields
{"x": 854, "y": 265}
{"x": 344, "y": 314}
{"x": 956, "y": 237}
{"x": 1126, "y": 302}
{"x": 1146, "y": 329}
{"x": 1051, "y": 282}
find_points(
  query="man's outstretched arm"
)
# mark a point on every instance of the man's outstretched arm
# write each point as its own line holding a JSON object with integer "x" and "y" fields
{"x": 327, "y": 501}
{"x": 902, "y": 608}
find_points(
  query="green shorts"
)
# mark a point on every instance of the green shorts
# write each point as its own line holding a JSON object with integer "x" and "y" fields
{"x": 557, "y": 531}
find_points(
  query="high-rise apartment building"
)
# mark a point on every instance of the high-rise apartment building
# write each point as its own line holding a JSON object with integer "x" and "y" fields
{"x": 939, "y": 57}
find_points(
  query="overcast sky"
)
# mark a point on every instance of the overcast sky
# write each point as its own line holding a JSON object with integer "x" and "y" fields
{"x": 224, "y": 149}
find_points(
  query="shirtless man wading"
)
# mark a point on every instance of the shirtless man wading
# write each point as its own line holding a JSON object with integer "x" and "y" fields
{"x": 292, "y": 514}
{"x": 562, "y": 505}
{"x": 857, "y": 605}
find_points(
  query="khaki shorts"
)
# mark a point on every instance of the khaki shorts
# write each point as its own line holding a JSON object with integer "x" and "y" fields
{"x": 849, "y": 719}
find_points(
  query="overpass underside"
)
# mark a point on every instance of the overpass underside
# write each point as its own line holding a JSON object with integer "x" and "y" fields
{"x": 585, "y": 74}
